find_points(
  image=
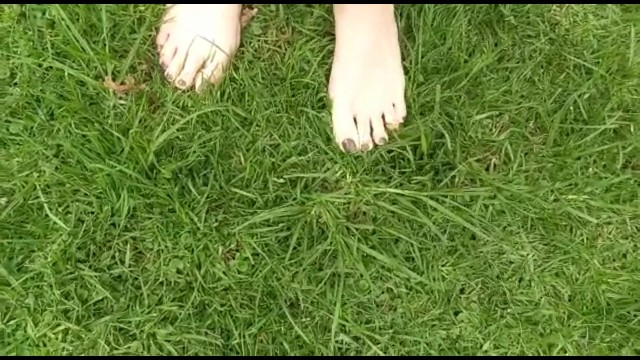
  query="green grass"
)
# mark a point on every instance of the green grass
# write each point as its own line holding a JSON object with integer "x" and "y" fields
{"x": 504, "y": 218}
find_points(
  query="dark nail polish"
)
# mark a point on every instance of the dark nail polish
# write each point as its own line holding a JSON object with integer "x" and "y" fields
{"x": 169, "y": 77}
{"x": 365, "y": 147}
{"x": 181, "y": 83}
{"x": 382, "y": 141}
{"x": 349, "y": 145}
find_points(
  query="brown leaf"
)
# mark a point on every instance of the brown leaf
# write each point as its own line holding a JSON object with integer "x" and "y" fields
{"x": 247, "y": 14}
{"x": 128, "y": 85}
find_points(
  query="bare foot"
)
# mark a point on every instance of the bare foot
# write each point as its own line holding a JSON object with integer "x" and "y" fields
{"x": 367, "y": 79}
{"x": 196, "y": 42}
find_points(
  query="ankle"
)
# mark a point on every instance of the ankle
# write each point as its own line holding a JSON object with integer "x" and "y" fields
{"x": 345, "y": 14}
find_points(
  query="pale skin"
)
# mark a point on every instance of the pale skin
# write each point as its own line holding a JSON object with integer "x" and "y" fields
{"x": 197, "y": 42}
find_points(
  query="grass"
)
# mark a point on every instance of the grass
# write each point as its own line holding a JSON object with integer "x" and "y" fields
{"x": 504, "y": 217}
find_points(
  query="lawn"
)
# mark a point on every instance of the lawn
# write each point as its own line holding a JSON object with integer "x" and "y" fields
{"x": 503, "y": 218}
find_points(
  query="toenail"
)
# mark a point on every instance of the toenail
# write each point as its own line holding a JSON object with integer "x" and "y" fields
{"x": 382, "y": 141}
{"x": 349, "y": 145}
{"x": 181, "y": 83}
{"x": 366, "y": 147}
{"x": 169, "y": 77}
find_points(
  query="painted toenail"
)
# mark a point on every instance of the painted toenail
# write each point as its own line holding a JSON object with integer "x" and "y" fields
{"x": 181, "y": 83}
{"x": 169, "y": 77}
{"x": 349, "y": 145}
{"x": 366, "y": 147}
{"x": 382, "y": 141}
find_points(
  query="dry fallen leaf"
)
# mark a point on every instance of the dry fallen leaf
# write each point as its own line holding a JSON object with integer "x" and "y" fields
{"x": 247, "y": 14}
{"x": 128, "y": 85}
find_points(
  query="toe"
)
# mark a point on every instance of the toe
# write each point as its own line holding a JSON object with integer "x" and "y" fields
{"x": 174, "y": 67}
{"x": 378, "y": 132}
{"x": 168, "y": 52}
{"x": 400, "y": 110}
{"x": 363, "y": 121}
{"x": 395, "y": 116}
{"x": 163, "y": 36}
{"x": 211, "y": 72}
{"x": 344, "y": 129}
{"x": 195, "y": 59}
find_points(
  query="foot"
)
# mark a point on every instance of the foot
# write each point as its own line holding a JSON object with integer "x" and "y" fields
{"x": 196, "y": 42}
{"x": 367, "y": 79}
